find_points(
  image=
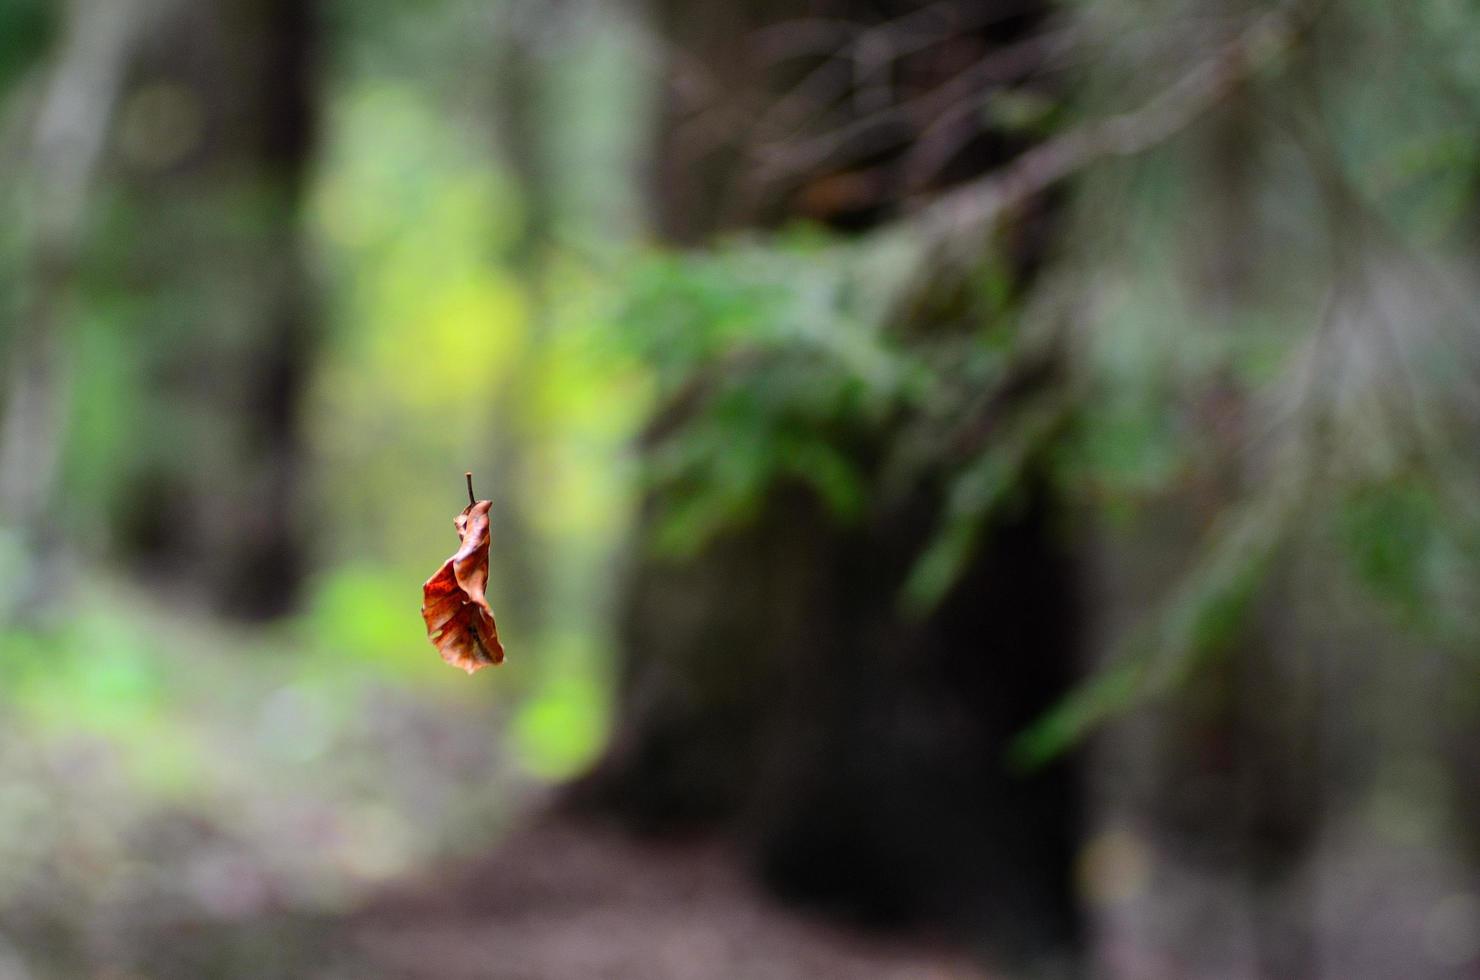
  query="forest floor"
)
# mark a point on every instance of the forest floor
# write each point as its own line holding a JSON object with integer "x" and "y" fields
{"x": 178, "y": 801}
{"x": 182, "y": 801}
{"x": 574, "y": 899}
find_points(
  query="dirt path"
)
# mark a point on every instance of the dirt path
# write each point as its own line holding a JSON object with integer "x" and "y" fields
{"x": 562, "y": 900}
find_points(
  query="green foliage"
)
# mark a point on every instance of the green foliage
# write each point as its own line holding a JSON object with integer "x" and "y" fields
{"x": 27, "y": 28}
{"x": 1202, "y": 618}
{"x": 771, "y": 375}
{"x": 1206, "y": 360}
{"x": 361, "y": 610}
{"x": 976, "y": 495}
{"x": 561, "y": 725}
{"x": 1021, "y": 111}
{"x": 1388, "y": 531}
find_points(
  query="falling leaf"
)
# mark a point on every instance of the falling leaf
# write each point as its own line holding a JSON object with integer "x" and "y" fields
{"x": 459, "y": 622}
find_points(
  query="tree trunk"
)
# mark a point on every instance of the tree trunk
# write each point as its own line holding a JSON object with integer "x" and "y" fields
{"x": 216, "y": 165}
{"x": 771, "y": 686}
{"x": 73, "y": 120}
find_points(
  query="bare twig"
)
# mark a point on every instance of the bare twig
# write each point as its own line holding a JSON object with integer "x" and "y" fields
{"x": 967, "y": 210}
{"x": 900, "y": 37}
{"x": 784, "y": 156}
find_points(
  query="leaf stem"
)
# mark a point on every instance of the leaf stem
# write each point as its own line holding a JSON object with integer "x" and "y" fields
{"x": 471, "y": 499}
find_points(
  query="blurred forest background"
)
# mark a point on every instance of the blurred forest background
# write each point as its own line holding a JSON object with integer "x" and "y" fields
{"x": 980, "y": 488}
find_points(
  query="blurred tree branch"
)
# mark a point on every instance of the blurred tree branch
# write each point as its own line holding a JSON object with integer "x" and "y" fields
{"x": 958, "y": 217}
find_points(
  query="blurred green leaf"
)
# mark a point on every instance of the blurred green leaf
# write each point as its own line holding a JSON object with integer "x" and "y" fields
{"x": 560, "y": 726}
{"x": 1200, "y": 619}
{"x": 1389, "y": 530}
{"x": 27, "y": 28}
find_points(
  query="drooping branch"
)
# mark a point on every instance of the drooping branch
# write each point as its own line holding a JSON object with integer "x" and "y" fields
{"x": 787, "y": 155}
{"x": 962, "y": 214}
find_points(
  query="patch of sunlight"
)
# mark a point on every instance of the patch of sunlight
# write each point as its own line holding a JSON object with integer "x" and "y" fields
{"x": 369, "y": 612}
{"x": 99, "y": 677}
{"x": 577, "y": 497}
{"x": 559, "y": 728}
{"x": 594, "y": 401}
{"x": 429, "y": 320}
{"x": 443, "y": 344}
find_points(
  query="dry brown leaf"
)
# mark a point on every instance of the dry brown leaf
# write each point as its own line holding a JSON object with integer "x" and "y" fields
{"x": 459, "y": 622}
